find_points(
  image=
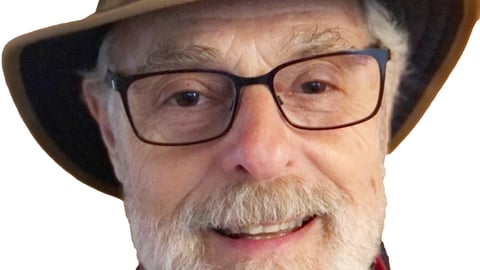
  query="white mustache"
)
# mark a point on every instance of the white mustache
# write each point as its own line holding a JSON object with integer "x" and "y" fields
{"x": 249, "y": 203}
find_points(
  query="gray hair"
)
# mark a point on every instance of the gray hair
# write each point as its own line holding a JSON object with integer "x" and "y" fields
{"x": 386, "y": 31}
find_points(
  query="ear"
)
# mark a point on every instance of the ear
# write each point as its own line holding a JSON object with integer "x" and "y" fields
{"x": 97, "y": 103}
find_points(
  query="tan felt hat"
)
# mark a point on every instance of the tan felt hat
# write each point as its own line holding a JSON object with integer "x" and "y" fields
{"x": 41, "y": 70}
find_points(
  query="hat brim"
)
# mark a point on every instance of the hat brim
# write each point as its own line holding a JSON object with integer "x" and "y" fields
{"x": 42, "y": 72}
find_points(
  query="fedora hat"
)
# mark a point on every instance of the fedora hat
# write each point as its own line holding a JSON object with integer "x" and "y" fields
{"x": 42, "y": 72}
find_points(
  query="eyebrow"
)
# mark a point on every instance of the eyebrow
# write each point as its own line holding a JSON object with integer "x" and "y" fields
{"x": 185, "y": 56}
{"x": 311, "y": 41}
{"x": 301, "y": 43}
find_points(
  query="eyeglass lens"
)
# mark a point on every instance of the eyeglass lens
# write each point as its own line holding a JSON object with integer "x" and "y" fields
{"x": 318, "y": 93}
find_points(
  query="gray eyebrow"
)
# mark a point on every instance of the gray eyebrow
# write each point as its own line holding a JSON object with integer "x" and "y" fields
{"x": 174, "y": 57}
{"x": 311, "y": 41}
{"x": 301, "y": 43}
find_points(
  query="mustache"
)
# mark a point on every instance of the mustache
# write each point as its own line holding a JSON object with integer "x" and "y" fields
{"x": 248, "y": 202}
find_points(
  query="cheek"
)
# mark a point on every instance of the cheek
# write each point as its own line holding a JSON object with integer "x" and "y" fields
{"x": 352, "y": 158}
{"x": 160, "y": 178}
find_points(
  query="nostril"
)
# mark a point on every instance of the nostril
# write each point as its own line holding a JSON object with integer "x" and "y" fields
{"x": 258, "y": 142}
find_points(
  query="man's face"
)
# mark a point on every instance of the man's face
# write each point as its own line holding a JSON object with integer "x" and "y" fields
{"x": 265, "y": 194}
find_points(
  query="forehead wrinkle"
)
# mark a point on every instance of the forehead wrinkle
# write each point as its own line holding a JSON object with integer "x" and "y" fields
{"x": 180, "y": 56}
{"x": 301, "y": 43}
{"x": 310, "y": 41}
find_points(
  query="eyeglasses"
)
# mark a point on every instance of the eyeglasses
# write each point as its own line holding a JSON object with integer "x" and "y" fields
{"x": 189, "y": 106}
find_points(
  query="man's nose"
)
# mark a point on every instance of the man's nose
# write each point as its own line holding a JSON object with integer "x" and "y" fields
{"x": 259, "y": 142}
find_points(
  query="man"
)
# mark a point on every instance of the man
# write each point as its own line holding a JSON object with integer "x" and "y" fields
{"x": 237, "y": 125}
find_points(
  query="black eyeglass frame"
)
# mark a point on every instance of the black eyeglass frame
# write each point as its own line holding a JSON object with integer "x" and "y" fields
{"x": 122, "y": 83}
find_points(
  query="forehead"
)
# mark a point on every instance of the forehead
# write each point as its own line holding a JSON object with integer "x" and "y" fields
{"x": 268, "y": 25}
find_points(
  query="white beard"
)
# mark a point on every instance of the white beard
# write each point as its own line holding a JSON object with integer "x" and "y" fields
{"x": 174, "y": 243}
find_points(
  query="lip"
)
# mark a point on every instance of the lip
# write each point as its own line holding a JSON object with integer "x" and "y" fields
{"x": 247, "y": 247}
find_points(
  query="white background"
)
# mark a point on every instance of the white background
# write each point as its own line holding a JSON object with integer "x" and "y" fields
{"x": 48, "y": 220}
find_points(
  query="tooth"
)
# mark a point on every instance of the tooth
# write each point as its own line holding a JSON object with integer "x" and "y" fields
{"x": 272, "y": 229}
{"x": 289, "y": 225}
{"x": 259, "y": 231}
{"x": 284, "y": 226}
{"x": 295, "y": 224}
{"x": 260, "y": 237}
{"x": 254, "y": 229}
{"x": 268, "y": 229}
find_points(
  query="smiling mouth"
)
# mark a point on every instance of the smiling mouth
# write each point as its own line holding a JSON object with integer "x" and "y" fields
{"x": 264, "y": 232}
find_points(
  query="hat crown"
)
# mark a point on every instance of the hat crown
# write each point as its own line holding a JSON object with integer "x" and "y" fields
{"x": 104, "y": 5}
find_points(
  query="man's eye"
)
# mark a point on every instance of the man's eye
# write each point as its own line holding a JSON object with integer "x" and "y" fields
{"x": 314, "y": 87}
{"x": 185, "y": 98}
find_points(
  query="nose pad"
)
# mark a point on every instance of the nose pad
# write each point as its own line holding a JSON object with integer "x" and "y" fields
{"x": 259, "y": 139}
{"x": 279, "y": 100}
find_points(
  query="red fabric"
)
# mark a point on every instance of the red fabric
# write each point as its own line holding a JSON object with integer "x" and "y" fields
{"x": 379, "y": 264}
